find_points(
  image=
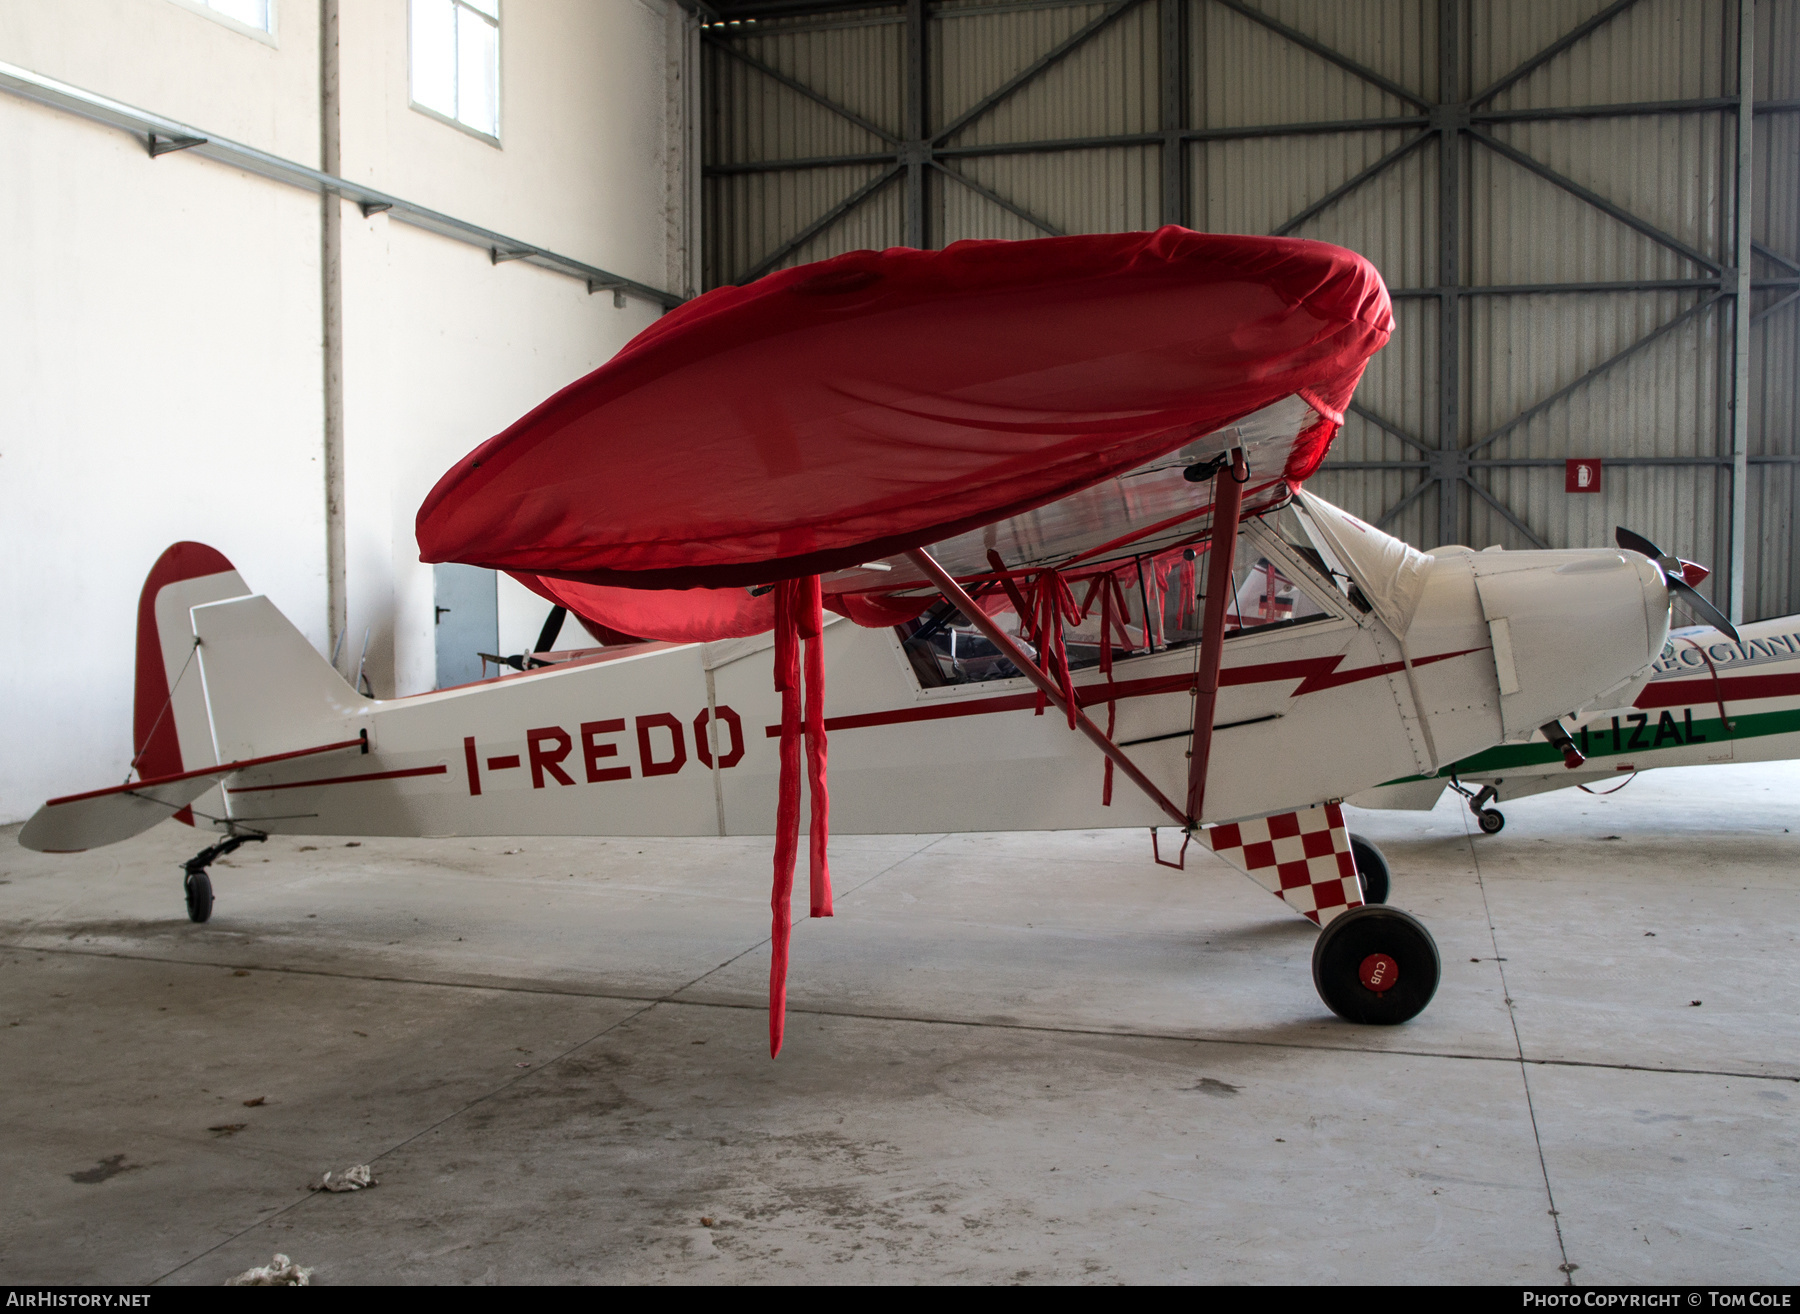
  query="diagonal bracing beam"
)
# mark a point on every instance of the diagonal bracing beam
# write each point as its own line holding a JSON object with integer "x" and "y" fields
{"x": 1344, "y": 188}
{"x": 1325, "y": 52}
{"x": 1532, "y": 412}
{"x": 1506, "y": 513}
{"x": 1598, "y": 201}
{"x": 1387, "y": 426}
{"x": 811, "y": 93}
{"x": 1551, "y": 51}
{"x": 1042, "y": 64}
{"x": 824, "y": 221}
{"x": 990, "y": 195}
{"x": 1419, "y": 490}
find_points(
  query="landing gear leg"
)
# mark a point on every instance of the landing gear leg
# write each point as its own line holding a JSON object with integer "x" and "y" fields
{"x": 196, "y": 885}
{"x": 1491, "y": 820}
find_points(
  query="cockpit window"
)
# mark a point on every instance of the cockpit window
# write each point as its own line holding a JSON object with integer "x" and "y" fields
{"x": 944, "y": 648}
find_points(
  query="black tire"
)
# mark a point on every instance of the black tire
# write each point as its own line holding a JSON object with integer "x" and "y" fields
{"x": 198, "y": 889}
{"x": 1491, "y": 821}
{"x": 1371, "y": 870}
{"x": 1361, "y": 937}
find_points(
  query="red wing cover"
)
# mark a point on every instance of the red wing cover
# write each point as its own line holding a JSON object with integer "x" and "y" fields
{"x": 845, "y": 411}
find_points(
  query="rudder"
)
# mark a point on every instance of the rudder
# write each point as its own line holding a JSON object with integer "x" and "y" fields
{"x": 171, "y": 731}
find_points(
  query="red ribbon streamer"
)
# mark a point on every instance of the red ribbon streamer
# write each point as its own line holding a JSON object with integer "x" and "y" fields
{"x": 798, "y": 621}
{"x": 1054, "y": 604}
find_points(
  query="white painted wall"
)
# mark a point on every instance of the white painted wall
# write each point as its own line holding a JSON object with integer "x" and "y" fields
{"x": 161, "y": 369}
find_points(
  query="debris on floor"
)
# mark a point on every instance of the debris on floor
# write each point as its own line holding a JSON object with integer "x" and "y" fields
{"x": 351, "y": 1179}
{"x": 278, "y": 1272}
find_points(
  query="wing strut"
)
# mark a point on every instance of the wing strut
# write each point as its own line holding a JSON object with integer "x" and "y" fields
{"x": 1228, "y": 503}
{"x": 1051, "y": 690}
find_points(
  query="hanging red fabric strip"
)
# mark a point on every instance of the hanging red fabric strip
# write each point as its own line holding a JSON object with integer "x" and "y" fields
{"x": 787, "y": 806}
{"x": 811, "y": 627}
{"x": 1055, "y": 605}
{"x": 1113, "y": 611}
{"x": 1109, "y": 586}
{"x": 799, "y": 621}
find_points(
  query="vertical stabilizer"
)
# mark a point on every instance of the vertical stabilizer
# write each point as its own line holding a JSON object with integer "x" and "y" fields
{"x": 267, "y": 688}
{"x": 171, "y": 732}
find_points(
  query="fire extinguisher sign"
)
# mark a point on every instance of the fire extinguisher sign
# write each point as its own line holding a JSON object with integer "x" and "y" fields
{"x": 1581, "y": 476}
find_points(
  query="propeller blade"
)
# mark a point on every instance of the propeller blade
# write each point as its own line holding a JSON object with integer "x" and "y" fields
{"x": 1702, "y": 608}
{"x": 1636, "y": 543}
{"x": 553, "y": 624}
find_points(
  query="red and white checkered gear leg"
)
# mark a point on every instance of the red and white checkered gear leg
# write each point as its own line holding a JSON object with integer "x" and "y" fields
{"x": 1301, "y": 857}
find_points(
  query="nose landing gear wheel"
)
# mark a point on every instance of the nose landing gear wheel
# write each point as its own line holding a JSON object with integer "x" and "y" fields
{"x": 1490, "y": 820}
{"x": 1376, "y": 965}
{"x": 198, "y": 888}
{"x": 1371, "y": 870}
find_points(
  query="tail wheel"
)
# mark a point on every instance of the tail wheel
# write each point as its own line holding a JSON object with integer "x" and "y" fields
{"x": 1371, "y": 870}
{"x": 198, "y": 888}
{"x": 1376, "y": 965}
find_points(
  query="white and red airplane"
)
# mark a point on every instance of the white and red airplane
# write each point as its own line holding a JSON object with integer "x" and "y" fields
{"x": 1112, "y": 535}
{"x": 1714, "y": 695}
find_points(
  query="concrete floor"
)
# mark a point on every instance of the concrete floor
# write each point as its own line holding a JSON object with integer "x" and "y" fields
{"x": 1010, "y": 1058}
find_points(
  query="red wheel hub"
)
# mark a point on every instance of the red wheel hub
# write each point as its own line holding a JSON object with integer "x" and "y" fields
{"x": 1379, "y": 973}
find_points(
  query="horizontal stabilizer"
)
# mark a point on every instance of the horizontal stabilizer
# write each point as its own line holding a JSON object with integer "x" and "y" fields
{"x": 106, "y": 816}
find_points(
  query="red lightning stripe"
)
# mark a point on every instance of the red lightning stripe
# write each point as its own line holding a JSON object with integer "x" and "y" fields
{"x": 1314, "y": 674}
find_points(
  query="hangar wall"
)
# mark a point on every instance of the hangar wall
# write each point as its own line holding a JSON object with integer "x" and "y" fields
{"x": 1549, "y": 187}
{"x": 161, "y": 323}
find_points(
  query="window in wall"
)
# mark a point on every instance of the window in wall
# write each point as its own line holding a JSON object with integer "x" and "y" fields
{"x": 456, "y": 62}
{"x": 258, "y": 16}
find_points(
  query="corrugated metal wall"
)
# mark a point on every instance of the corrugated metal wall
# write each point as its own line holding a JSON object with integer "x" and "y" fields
{"x": 1560, "y": 174}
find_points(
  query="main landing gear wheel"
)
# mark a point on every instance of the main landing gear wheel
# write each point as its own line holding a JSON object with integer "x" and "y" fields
{"x": 198, "y": 888}
{"x": 1371, "y": 870}
{"x": 1490, "y": 820}
{"x": 1376, "y": 965}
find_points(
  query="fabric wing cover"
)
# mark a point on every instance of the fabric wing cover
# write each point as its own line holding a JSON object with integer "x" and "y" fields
{"x": 847, "y": 410}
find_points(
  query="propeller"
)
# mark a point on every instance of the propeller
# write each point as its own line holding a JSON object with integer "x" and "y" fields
{"x": 1680, "y": 576}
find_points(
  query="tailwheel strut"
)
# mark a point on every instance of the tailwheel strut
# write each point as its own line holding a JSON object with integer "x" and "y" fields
{"x": 1376, "y": 965}
{"x": 1491, "y": 820}
{"x": 196, "y": 885}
